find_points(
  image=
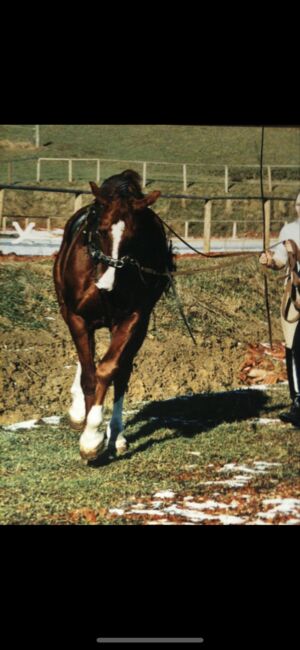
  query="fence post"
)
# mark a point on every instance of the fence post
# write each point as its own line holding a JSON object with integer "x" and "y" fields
{"x": 267, "y": 222}
{"x": 183, "y": 201}
{"x": 98, "y": 172}
{"x": 38, "y": 170}
{"x": 70, "y": 170}
{"x": 269, "y": 178}
{"x": 184, "y": 178}
{"x": 207, "y": 226}
{"x": 37, "y": 135}
{"x": 77, "y": 202}
{"x": 226, "y": 179}
{"x": 228, "y": 206}
{"x": 49, "y": 223}
{"x": 144, "y": 174}
{"x": 9, "y": 171}
{"x": 1, "y": 206}
{"x": 234, "y": 230}
{"x": 186, "y": 229}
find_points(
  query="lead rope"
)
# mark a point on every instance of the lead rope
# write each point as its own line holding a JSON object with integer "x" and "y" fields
{"x": 264, "y": 236}
{"x": 179, "y": 305}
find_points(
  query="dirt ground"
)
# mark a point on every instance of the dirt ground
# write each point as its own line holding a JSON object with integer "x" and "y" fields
{"x": 38, "y": 359}
{"x": 38, "y": 372}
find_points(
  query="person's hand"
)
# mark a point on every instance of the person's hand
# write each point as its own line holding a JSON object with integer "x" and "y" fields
{"x": 266, "y": 258}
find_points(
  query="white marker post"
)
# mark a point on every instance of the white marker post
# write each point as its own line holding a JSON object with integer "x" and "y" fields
{"x": 37, "y": 135}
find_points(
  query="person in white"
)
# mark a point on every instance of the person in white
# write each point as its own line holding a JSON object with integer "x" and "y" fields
{"x": 278, "y": 259}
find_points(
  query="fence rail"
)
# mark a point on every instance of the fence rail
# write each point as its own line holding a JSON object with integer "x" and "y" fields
{"x": 208, "y": 202}
{"x": 182, "y": 172}
{"x": 184, "y": 167}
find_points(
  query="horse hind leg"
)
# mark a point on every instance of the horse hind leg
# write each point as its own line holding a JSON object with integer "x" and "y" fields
{"x": 115, "y": 437}
{"x": 116, "y": 441}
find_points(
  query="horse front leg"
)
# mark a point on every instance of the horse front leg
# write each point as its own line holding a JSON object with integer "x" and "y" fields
{"x": 115, "y": 428}
{"x": 116, "y": 439}
{"x": 80, "y": 402}
{"x": 83, "y": 388}
{"x": 106, "y": 372}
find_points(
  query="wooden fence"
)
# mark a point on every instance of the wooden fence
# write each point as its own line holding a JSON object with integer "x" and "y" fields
{"x": 184, "y": 167}
{"x": 182, "y": 172}
{"x": 207, "y": 217}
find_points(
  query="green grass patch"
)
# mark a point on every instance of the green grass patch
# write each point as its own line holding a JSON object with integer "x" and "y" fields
{"x": 44, "y": 480}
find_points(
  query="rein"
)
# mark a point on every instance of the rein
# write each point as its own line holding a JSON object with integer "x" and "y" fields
{"x": 93, "y": 245}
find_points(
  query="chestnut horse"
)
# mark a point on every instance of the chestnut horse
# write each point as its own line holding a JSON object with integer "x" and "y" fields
{"x": 112, "y": 267}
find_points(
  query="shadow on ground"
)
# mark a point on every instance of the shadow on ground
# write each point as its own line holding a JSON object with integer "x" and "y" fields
{"x": 190, "y": 415}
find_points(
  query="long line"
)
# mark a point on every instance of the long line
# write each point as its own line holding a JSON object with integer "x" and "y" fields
{"x": 191, "y": 197}
{"x": 264, "y": 236}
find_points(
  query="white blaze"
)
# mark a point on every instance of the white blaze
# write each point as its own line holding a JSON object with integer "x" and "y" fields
{"x": 107, "y": 279}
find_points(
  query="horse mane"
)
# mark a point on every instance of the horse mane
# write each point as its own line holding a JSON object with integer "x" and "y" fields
{"x": 124, "y": 185}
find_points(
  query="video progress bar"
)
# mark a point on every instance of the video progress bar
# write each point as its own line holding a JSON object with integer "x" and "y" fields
{"x": 150, "y": 640}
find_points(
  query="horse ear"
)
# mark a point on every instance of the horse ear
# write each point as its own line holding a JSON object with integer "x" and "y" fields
{"x": 140, "y": 204}
{"x": 95, "y": 189}
{"x": 97, "y": 193}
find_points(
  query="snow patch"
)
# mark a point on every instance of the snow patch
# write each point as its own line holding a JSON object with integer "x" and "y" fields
{"x": 282, "y": 506}
{"x": 239, "y": 481}
{"x": 52, "y": 419}
{"x": 33, "y": 424}
{"x": 232, "y": 467}
{"x": 266, "y": 420}
{"x": 263, "y": 464}
{"x": 27, "y": 424}
{"x": 165, "y": 494}
{"x": 195, "y": 515}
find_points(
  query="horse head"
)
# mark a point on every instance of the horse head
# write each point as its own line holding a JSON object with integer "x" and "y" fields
{"x": 120, "y": 196}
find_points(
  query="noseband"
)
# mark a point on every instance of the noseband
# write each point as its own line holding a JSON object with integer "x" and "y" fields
{"x": 93, "y": 241}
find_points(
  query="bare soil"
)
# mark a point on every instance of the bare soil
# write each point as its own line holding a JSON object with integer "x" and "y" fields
{"x": 38, "y": 362}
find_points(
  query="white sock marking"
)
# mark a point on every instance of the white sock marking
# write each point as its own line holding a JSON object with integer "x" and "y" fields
{"x": 91, "y": 438}
{"x": 77, "y": 410}
{"x": 108, "y": 278}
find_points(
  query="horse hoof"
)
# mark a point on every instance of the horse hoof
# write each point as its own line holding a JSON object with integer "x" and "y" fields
{"x": 77, "y": 426}
{"x": 92, "y": 454}
{"x": 89, "y": 450}
{"x": 121, "y": 444}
